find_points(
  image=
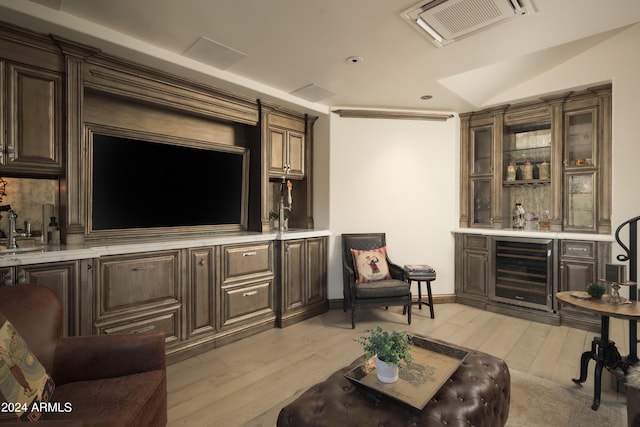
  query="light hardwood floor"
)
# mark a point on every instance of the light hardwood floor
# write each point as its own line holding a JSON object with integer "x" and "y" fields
{"x": 247, "y": 382}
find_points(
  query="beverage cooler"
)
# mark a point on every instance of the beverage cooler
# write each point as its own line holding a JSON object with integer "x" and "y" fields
{"x": 523, "y": 273}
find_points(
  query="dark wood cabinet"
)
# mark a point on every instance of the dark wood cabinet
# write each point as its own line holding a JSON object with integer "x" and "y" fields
{"x": 139, "y": 293}
{"x": 61, "y": 277}
{"x": 202, "y": 273}
{"x": 303, "y": 277}
{"x": 580, "y": 263}
{"x": 472, "y": 272}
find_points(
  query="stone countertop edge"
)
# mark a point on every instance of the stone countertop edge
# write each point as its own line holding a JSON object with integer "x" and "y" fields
{"x": 57, "y": 253}
{"x": 559, "y": 235}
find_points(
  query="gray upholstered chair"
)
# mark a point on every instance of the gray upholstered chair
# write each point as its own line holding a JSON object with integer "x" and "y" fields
{"x": 381, "y": 293}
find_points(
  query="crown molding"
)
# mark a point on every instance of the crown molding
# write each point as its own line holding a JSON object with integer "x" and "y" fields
{"x": 386, "y": 114}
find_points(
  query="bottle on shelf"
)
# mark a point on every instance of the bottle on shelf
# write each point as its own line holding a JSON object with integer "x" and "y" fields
{"x": 518, "y": 217}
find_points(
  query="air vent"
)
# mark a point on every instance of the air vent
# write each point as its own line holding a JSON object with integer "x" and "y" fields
{"x": 445, "y": 21}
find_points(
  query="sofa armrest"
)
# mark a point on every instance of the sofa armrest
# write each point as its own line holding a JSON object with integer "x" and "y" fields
{"x": 396, "y": 271}
{"x": 107, "y": 356}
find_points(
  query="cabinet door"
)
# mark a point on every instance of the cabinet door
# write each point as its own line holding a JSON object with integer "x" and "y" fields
{"x": 294, "y": 274}
{"x": 62, "y": 278}
{"x": 475, "y": 274}
{"x": 580, "y": 201}
{"x": 481, "y": 151}
{"x": 575, "y": 275}
{"x": 581, "y": 138}
{"x": 295, "y": 153}
{"x": 481, "y": 193}
{"x": 316, "y": 269}
{"x": 201, "y": 291}
{"x": 34, "y": 121}
{"x": 129, "y": 284}
{"x": 277, "y": 151}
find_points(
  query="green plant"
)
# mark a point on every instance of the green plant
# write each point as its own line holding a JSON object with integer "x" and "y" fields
{"x": 596, "y": 290}
{"x": 273, "y": 215}
{"x": 389, "y": 347}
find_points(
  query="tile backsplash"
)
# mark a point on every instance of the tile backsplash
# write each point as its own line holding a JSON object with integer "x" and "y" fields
{"x": 26, "y": 197}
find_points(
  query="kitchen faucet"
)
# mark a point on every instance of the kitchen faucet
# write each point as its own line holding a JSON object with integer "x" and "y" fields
{"x": 13, "y": 232}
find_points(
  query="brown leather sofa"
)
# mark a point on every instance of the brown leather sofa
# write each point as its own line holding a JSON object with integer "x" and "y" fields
{"x": 477, "y": 394}
{"x": 109, "y": 380}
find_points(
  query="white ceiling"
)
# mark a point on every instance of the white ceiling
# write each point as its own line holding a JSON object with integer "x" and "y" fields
{"x": 290, "y": 44}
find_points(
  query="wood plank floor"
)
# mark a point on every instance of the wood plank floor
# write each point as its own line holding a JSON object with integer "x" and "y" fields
{"x": 247, "y": 382}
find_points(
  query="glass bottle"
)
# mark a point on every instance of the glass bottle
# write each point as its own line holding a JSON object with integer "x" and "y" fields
{"x": 518, "y": 217}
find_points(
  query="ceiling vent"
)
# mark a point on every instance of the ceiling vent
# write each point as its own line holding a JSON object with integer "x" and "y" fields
{"x": 445, "y": 21}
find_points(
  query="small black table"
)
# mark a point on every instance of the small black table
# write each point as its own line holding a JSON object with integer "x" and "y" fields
{"x": 422, "y": 275}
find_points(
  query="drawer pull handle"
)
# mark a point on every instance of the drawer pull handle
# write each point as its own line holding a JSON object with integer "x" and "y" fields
{"x": 141, "y": 268}
{"x": 254, "y": 253}
{"x": 250, "y": 294}
{"x": 144, "y": 329}
{"x": 574, "y": 249}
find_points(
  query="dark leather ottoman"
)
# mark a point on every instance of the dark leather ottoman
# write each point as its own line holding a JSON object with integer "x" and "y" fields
{"x": 477, "y": 394}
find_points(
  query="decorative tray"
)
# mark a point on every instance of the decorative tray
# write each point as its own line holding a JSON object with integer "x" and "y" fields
{"x": 433, "y": 363}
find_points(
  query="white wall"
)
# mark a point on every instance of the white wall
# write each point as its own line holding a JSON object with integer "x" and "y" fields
{"x": 399, "y": 177}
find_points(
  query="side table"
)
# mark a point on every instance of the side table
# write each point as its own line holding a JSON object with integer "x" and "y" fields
{"x": 421, "y": 273}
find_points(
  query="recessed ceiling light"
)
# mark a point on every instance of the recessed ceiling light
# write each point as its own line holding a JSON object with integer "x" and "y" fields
{"x": 355, "y": 59}
{"x": 426, "y": 97}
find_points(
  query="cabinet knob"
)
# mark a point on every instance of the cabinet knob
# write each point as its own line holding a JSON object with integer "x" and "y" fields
{"x": 201, "y": 262}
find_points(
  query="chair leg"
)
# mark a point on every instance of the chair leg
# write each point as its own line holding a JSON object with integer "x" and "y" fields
{"x": 408, "y": 313}
{"x": 353, "y": 317}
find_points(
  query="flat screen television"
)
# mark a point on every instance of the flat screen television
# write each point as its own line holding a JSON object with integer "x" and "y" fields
{"x": 141, "y": 184}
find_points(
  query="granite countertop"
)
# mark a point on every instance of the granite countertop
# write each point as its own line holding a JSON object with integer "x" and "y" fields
{"x": 560, "y": 235}
{"x": 54, "y": 253}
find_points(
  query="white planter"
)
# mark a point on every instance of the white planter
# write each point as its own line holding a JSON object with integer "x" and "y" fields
{"x": 387, "y": 373}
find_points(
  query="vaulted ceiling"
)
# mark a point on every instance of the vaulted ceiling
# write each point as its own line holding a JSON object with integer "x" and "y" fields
{"x": 285, "y": 45}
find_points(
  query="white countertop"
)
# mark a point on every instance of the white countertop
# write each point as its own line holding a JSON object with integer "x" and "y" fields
{"x": 56, "y": 253}
{"x": 560, "y": 235}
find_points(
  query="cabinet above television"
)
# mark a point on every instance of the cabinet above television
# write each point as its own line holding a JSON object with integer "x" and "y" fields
{"x": 553, "y": 156}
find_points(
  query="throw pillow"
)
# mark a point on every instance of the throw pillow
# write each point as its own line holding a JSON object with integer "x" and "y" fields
{"x": 370, "y": 264}
{"x": 24, "y": 383}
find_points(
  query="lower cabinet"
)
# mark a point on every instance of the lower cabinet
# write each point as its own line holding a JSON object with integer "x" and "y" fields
{"x": 574, "y": 264}
{"x": 139, "y": 293}
{"x": 61, "y": 277}
{"x": 472, "y": 274}
{"x": 581, "y": 262}
{"x": 302, "y": 267}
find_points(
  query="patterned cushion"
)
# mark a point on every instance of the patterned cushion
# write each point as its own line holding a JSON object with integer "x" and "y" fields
{"x": 370, "y": 265}
{"x": 24, "y": 382}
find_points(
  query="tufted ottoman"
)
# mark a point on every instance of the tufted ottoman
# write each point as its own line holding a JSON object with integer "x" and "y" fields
{"x": 477, "y": 394}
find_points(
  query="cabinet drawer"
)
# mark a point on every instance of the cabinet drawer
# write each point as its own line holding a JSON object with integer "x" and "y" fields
{"x": 167, "y": 322}
{"x": 475, "y": 242}
{"x": 241, "y": 302}
{"x": 132, "y": 282}
{"x": 247, "y": 260}
{"x": 578, "y": 248}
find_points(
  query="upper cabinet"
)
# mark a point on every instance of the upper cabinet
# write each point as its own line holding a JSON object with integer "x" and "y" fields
{"x": 32, "y": 109}
{"x": 553, "y": 157}
{"x": 286, "y": 146}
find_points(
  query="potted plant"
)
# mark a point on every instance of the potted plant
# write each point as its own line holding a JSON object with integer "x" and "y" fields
{"x": 389, "y": 348}
{"x": 274, "y": 220}
{"x": 596, "y": 290}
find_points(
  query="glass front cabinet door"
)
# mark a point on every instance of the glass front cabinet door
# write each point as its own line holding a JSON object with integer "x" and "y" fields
{"x": 481, "y": 189}
{"x": 580, "y": 170}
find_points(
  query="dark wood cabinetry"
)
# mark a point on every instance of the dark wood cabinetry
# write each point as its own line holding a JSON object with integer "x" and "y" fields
{"x": 568, "y": 135}
{"x": 472, "y": 273}
{"x": 581, "y": 262}
{"x": 303, "y": 276}
{"x": 31, "y": 126}
{"x": 138, "y": 293}
{"x": 62, "y": 277}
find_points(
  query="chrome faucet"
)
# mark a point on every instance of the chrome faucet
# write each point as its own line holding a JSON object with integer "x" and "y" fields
{"x": 13, "y": 232}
